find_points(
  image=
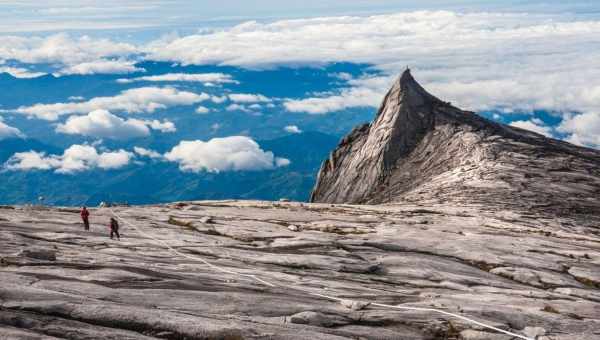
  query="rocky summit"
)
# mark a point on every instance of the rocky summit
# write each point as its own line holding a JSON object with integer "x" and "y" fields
{"x": 422, "y": 149}
{"x": 433, "y": 223}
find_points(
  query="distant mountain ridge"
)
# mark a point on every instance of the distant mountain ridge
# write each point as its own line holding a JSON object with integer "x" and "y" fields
{"x": 10, "y": 146}
{"x": 156, "y": 182}
{"x": 420, "y": 148}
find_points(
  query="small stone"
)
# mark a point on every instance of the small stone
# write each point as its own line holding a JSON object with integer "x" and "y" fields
{"x": 294, "y": 228}
{"x": 206, "y": 220}
{"x": 534, "y": 332}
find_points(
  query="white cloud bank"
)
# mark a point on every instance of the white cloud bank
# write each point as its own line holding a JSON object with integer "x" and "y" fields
{"x": 147, "y": 152}
{"x": 72, "y": 55}
{"x": 61, "y": 49}
{"x": 144, "y": 99}
{"x": 583, "y": 129}
{"x": 365, "y": 92}
{"x": 103, "y": 124}
{"x": 102, "y": 67}
{"x": 235, "y": 153}
{"x": 76, "y": 158}
{"x": 208, "y": 79}
{"x": 20, "y": 72}
{"x": 7, "y": 131}
{"x": 478, "y": 61}
{"x": 535, "y": 125}
{"x": 248, "y": 98}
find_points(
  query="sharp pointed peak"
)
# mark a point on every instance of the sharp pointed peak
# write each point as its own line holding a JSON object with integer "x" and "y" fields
{"x": 407, "y": 85}
{"x": 406, "y": 77}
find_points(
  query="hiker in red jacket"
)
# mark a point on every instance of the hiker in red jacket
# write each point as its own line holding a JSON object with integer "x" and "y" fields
{"x": 85, "y": 216}
{"x": 114, "y": 228}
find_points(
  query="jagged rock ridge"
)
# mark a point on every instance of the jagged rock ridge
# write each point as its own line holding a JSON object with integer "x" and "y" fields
{"x": 422, "y": 149}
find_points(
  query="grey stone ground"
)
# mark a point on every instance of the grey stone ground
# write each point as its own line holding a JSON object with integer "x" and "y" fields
{"x": 525, "y": 271}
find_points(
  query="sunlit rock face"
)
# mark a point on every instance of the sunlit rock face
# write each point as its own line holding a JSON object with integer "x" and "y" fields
{"x": 422, "y": 149}
{"x": 531, "y": 273}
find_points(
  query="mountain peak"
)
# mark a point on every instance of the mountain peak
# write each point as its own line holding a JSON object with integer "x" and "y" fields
{"x": 407, "y": 82}
{"x": 408, "y": 89}
{"x": 419, "y": 148}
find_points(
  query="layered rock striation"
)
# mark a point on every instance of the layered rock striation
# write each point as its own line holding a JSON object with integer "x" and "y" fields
{"x": 526, "y": 273}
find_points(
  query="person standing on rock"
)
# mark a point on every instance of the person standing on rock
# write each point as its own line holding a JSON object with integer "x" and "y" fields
{"x": 114, "y": 229}
{"x": 85, "y": 216}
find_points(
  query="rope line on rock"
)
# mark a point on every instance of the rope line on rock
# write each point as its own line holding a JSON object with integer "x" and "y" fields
{"x": 324, "y": 296}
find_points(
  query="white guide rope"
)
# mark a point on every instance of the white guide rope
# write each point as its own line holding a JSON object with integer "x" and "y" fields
{"x": 328, "y": 297}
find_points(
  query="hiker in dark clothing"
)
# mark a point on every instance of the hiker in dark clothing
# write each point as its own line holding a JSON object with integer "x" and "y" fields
{"x": 85, "y": 216}
{"x": 114, "y": 228}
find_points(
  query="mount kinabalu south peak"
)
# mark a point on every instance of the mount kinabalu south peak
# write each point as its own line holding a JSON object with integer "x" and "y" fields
{"x": 422, "y": 149}
{"x": 488, "y": 224}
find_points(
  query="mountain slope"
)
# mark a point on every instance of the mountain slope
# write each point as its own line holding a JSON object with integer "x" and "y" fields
{"x": 422, "y": 149}
{"x": 530, "y": 274}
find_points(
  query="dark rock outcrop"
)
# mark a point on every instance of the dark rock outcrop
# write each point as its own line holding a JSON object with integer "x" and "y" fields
{"x": 422, "y": 149}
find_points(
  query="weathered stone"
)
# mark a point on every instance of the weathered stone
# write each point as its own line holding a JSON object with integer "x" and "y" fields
{"x": 91, "y": 293}
{"x": 534, "y": 332}
{"x": 39, "y": 254}
{"x": 319, "y": 319}
{"x": 355, "y": 305}
{"x": 206, "y": 219}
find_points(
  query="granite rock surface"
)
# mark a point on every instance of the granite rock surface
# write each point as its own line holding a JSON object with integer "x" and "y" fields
{"x": 532, "y": 273}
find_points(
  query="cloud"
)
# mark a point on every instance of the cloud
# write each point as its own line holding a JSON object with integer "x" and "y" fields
{"x": 103, "y": 124}
{"x": 19, "y": 72}
{"x": 70, "y": 55}
{"x": 342, "y": 76}
{"x": 209, "y": 79}
{"x": 235, "y": 153}
{"x": 7, "y": 131}
{"x": 248, "y": 98}
{"x": 535, "y": 125}
{"x": 362, "y": 95}
{"x": 237, "y": 107}
{"x": 62, "y": 49}
{"x": 164, "y": 126}
{"x": 292, "y": 129}
{"x": 202, "y": 110}
{"x": 147, "y": 152}
{"x": 218, "y": 99}
{"x": 583, "y": 129}
{"x": 477, "y": 60}
{"x": 102, "y": 67}
{"x": 144, "y": 99}
{"x": 76, "y": 158}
